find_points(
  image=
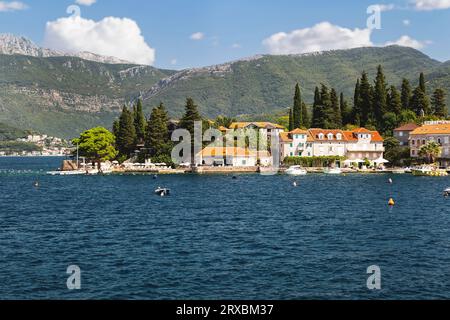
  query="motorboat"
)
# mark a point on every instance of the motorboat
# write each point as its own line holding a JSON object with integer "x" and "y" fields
{"x": 162, "y": 192}
{"x": 447, "y": 192}
{"x": 296, "y": 171}
{"x": 332, "y": 171}
{"x": 429, "y": 171}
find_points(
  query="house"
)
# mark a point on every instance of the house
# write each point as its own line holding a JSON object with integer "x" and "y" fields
{"x": 402, "y": 133}
{"x": 432, "y": 131}
{"x": 227, "y": 156}
{"x": 264, "y": 128}
{"x": 358, "y": 144}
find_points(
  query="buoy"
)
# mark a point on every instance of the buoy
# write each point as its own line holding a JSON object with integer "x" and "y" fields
{"x": 391, "y": 202}
{"x": 155, "y": 177}
{"x": 36, "y": 184}
{"x": 294, "y": 183}
{"x": 234, "y": 178}
{"x": 390, "y": 181}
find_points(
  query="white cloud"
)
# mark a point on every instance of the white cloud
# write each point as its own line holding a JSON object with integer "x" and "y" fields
{"x": 407, "y": 41}
{"x": 321, "y": 37}
{"x": 197, "y": 36}
{"x": 85, "y": 2}
{"x": 428, "y": 5}
{"x": 6, "y": 6}
{"x": 406, "y": 22}
{"x": 236, "y": 46}
{"x": 117, "y": 37}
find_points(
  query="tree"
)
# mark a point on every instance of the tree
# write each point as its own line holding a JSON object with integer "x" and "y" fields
{"x": 406, "y": 94}
{"x": 439, "y": 105}
{"x": 223, "y": 121}
{"x": 96, "y": 144}
{"x": 379, "y": 97}
{"x": 115, "y": 128}
{"x": 394, "y": 152}
{"x": 157, "y": 139}
{"x": 356, "y": 112}
{"x": 345, "y": 112}
{"x": 297, "y": 109}
{"x": 389, "y": 122}
{"x": 126, "y": 137}
{"x": 394, "y": 102}
{"x": 336, "y": 118}
{"x": 291, "y": 120}
{"x": 420, "y": 103}
{"x": 422, "y": 84}
{"x": 191, "y": 116}
{"x": 430, "y": 151}
{"x": 366, "y": 100}
{"x": 318, "y": 112}
{"x": 327, "y": 108}
{"x": 139, "y": 121}
{"x": 407, "y": 116}
{"x": 305, "y": 116}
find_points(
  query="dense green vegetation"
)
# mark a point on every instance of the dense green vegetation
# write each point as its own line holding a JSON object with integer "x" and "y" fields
{"x": 10, "y": 133}
{"x": 96, "y": 144}
{"x": 312, "y": 161}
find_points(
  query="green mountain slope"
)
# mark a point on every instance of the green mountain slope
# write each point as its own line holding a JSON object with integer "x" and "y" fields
{"x": 266, "y": 83}
{"x": 64, "y": 95}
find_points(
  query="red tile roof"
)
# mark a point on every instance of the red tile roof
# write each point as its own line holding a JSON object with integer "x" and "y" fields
{"x": 408, "y": 127}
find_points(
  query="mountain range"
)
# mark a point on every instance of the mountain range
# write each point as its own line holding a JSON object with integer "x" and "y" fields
{"x": 61, "y": 95}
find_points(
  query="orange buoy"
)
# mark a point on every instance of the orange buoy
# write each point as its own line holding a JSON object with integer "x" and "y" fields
{"x": 391, "y": 202}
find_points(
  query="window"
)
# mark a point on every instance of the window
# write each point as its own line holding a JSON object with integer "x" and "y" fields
{"x": 413, "y": 142}
{"x": 339, "y": 136}
{"x": 330, "y": 136}
{"x": 291, "y": 145}
{"x": 400, "y": 134}
{"x": 321, "y": 136}
{"x": 291, "y": 154}
{"x": 244, "y": 162}
{"x": 413, "y": 152}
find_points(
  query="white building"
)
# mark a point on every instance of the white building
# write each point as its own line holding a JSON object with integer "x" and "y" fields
{"x": 227, "y": 156}
{"x": 357, "y": 144}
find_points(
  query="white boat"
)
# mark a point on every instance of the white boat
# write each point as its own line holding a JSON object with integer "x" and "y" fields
{"x": 162, "y": 192}
{"x": 429, "y": 171}
{"x": 447, "y": 192}
{"x": 296, "y": 171}
{"x": 332, "y": 171}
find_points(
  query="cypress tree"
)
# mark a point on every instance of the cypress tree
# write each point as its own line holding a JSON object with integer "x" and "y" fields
{"x": 366, "y": 92}
{"x": 345, "y": 112}
{"x": 127, "y": 133}
{"x": 336, "y": 119}
{"x": 327, "y": 108}
{"x": 139, "y": 122}
{"x": 305, "y": 115}
{"x": 115, "y": 128}
{"x": 297, "y": 110}
{"x": 356, "y": 111}
{"x": 291, "y": 120}
{"x": 406, "y": 94}
{"x": 157, "y": 133}
{"x": 379, "y": 97}
{"x": 318, "y": 115}
{"x": 394, "y": 102}
{"x": 420, "y": 103}
{"x": 422, "y": 84}
{"x": 439, "y": 105}
{"x": 191, "y": 115}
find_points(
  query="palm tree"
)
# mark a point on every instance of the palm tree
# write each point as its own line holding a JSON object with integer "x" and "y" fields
{"x": 430, "y": 151}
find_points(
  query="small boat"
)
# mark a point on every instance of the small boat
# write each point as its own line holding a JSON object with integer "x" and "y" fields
{"x": 296, "y": 171}
{"x": 162, "y": 192}
{"x": 332, "y": 171}
{"x": 447, "y": 192}
{"x": 428, "y": 171}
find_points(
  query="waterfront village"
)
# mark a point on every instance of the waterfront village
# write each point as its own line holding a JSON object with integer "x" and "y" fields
{"x": 38, "y": 145}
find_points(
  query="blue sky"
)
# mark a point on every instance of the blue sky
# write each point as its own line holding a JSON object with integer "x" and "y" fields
{"x": 225, "y": 29}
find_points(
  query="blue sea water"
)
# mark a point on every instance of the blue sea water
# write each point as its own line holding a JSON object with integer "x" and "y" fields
{"x": 256, "y": 237}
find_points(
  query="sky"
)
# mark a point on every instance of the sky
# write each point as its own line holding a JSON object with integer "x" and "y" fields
{"x": 178, "y": 34}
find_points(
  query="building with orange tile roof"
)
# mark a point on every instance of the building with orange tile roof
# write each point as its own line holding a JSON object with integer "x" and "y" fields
{"x": 356, "y": 144}
{"x": 232, "y": 156}
{"x": 438, "y": 132}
